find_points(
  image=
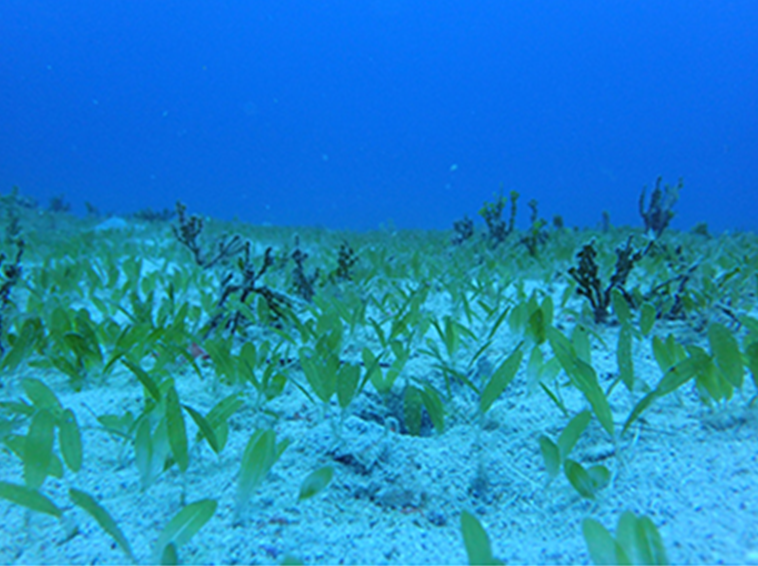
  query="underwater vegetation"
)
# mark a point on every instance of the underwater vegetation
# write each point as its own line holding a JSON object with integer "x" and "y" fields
{"x": 659, "y": 211}
{"x": 492, "y": 214}
{"x": 182, "y": 389}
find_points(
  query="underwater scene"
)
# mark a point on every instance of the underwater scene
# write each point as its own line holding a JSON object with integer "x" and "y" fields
{"x": 378, "y": 282}
{"x": 198, "y": 391}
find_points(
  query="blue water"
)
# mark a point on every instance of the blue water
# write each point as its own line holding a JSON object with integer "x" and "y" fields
{"x": 358, "y": 113}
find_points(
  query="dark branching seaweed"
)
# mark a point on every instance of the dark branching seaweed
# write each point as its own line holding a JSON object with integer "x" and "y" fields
{"x": 701, "y": 229}
{"x": 536, "y": 235}
{"x": 302, "y": 283}
{"x": 15, "y": 198}
{"x": 346, "y": 259}
{"x": 586, "y": 275}
{"x": 463, "y": 230}
{"x": 659, "y": 211}
{"x": 11, "y": 275}
{"x": 11, "y": 272}
{"x": 13, "y": 228}
{"x": 58, "y": 203}
{"x": 244, "y": 282}
{"x": 150, "y": 215}
{"x": 492, "y": 213}
{"x": 188, "y": 231}
{"x": 92, "y": 210}
{"x": 668, "y": 297}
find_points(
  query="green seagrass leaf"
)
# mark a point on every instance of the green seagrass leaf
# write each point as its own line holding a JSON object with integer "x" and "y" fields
{"x": 535, "y": 327}
{"x": 38, "y": 449}
{"x": 579, "y": 478}
{"x": 218, "y": 417}
{"x": 206, "y": 430}
{"x": 680, "y": 373}
{"x": 624, "y": 357}
{"x": 727, "y": 354}
{"x": 649, "y": 542}
{"x": 257, "y": 460}
{"x": 144, "y": 379}
{"x": 320, "y": 373}
{"x": 103, "y": 518}
{"x": 751, "y": 352}
{"x": 640, "y": 408}
{"x": 30, "y": 336}
{"x": 588, "y": 384}
{"x": 711, "y": 382}
{"x": 348, "y": 376}
{"x": 143, "y": 451}
{"x": 570, "y": 435}
{"x": 552, "y": 456}
{"x": 41, "y": 395}
{"x": 185, "y": 525}
{"x": 433, "y": 406}
{"x": 547, "y": 309}
{"x": 412, "y": 410}
{"x": 315, "y": 482}
{"x": 498, "y": 322}
{"x": 620, "y": 307}
{"x": 600, "y": 476}
{"x": 29, "y": 498}
{"x": 177, "y": 431}
{"x": 170, "y": 556}
{"x": 534, "y": 367}
{"x": 70, "y": 440}
{"x": 647, "y": 318}
{"x": 476, "y": 541}
{"x": 603, "y": 549}
{"x": 500, "y": 379}
{"x": 580, "y": 340}
{"x": 639, "y": 538}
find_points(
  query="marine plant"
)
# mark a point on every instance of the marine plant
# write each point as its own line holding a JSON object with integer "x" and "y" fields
{"x": 463, "y": 230}
{"x": 535, "y": 235}
{"x": 327, "y": 374}
{"x": 587, "y": 482}
{"x": 452, "y": 335}
{"x": 637, "y": 541}
{"x": 74, "y": 346}
{"x": 659, "y": 211}
{"x": 582, "y": 375}
{"x": 302, "y": 283}
{"x": 149, "y": 215}
{"x": 14, "y": 199}
{"x": 261, "y": 453}
{"x": 716, "y": 373}
{"x": 181, "y": 528}
{"x": 477, "y": 541}
{"x": 586, "y": 274}
{"x": 315, "y": 482}
{"x": 59, "y": 204}
{"x": 346, "y": 260}
{"x": 239, "y": 286}
{"x": 492, "y": 213}
{"x": 159, "y": 432}
{"x": 11, "y": 275}
{"x": 44, "y": 414}
{"x": 458, "y": 339}
{"x": 188, "y": 231}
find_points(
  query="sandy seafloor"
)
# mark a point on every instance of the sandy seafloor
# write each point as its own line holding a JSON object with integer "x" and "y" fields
{"x": 396, "y": 499}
